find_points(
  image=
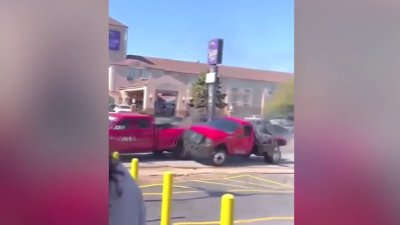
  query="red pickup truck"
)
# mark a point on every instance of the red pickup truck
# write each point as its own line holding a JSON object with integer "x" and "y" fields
{"x": 138, "y": 133}
{"x": 221, "y": 138}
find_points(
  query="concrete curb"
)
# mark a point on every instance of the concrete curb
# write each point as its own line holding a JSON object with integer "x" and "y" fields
{"x": 143, "y": 165}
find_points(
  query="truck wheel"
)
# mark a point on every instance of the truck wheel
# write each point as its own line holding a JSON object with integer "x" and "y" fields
{"x": 179, "y": 152}
{"x": 274, "y": 157}
{"x": 219, "y": 157}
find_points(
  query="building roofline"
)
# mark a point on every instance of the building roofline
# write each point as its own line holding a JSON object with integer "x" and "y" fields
{"x": 187, "y": 67}
{"x": 205, "y": 64}
{"x": 114, "y": 22}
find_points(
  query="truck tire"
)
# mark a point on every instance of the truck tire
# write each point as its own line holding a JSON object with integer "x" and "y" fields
{"x": 179, "y": 152}
{"x": 219, "y": 157}
{"x": 274, "y": 157}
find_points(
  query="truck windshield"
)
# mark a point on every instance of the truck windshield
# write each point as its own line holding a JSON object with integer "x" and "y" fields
{"x": 224, "y": 125}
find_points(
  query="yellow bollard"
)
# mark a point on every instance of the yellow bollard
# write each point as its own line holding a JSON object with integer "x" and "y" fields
{"x": 227, "y": 209}
{"x": 166, "y": 199}
{"x": 115, "y": 155}
{"x": 135, "y": 168}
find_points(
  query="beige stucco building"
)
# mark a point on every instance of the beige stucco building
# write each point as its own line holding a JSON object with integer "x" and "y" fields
{"x": 163, "y": 86}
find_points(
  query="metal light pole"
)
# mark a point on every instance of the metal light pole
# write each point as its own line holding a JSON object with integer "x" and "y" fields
{"x": 215, "y": 47}
{"x": 212, "y": 91}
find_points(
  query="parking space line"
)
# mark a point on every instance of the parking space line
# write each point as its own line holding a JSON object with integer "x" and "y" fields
{"x": 260, "y": 185}
{"x": 231, "y": 178}
{"x": 150, "y": 185}
{"x": 198, "y": 223}
{"x": 173, "y": 193}
{"x": 184, "y": 181}
{"x": 259, "y": 191}
{"x": 208, "y": 179}
{"x": 265, "y": 219}
{"x": 223, "y": 184}
{"x": 244, "y": 175}
{"x": 234, "y": 177}
{"x": 183, "y": 187}
{"x": 227, "y": 191}
{"x": 177, "y": 182}
{"x": 270, "y": 181}
{"x": 155, "y": 185}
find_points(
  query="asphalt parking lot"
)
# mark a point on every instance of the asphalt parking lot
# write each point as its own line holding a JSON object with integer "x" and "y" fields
{"x": 259, "y": 199}
{"x": 150, "y": 161}
{"x": 264, "y": 193}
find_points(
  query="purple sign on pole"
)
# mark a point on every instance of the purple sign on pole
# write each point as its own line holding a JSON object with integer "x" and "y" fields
{"x": 114, "y": 39}
{"x": 215, "y": 47}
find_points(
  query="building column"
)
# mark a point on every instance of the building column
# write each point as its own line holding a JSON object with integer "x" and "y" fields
{"x": 125, "y": 98}
{"x": 111, "y": 79}
{"x": 265, "y": 97}
{"x": 145, "y": 98}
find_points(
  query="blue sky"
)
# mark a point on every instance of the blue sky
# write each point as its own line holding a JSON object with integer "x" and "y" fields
{"x": 257, "y": 33}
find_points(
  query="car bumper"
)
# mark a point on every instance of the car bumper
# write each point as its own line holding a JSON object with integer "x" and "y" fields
{"x": 198, "y": 151}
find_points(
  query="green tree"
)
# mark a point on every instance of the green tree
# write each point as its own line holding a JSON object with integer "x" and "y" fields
{"x": 200, "y": 94}
{"x": 282, "y": 101}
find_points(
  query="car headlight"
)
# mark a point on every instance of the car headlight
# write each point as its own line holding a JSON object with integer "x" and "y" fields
{"x": 208, "y": 142}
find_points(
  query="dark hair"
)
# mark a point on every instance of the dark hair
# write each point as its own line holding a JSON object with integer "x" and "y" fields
{"x": 113, "y": 172}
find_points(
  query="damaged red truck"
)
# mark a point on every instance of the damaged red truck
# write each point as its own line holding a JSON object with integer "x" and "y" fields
{"x": 214, "y": 141}
{"x": 221, "y": 138}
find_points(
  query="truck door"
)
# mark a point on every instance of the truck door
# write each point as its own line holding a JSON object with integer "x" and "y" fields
{"x": 167, "y": 136}
{"x": 245, "y": 140}
{"x": 121, "y": 137}
{"x": 132, "y": 135}
{"x": 249, "y": 138}
{"x": 143, "y": 131}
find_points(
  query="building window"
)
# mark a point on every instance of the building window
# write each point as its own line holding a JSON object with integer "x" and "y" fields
{"x": 245, "y": 99}
{"x": 234, "y": 98}
{"x": 130, "y": 77}
{"x": 240, "y": 97}
{"x": 132, "y": 74}
{"x": 138, "y": 74}
{"x": 145, "y": 74}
